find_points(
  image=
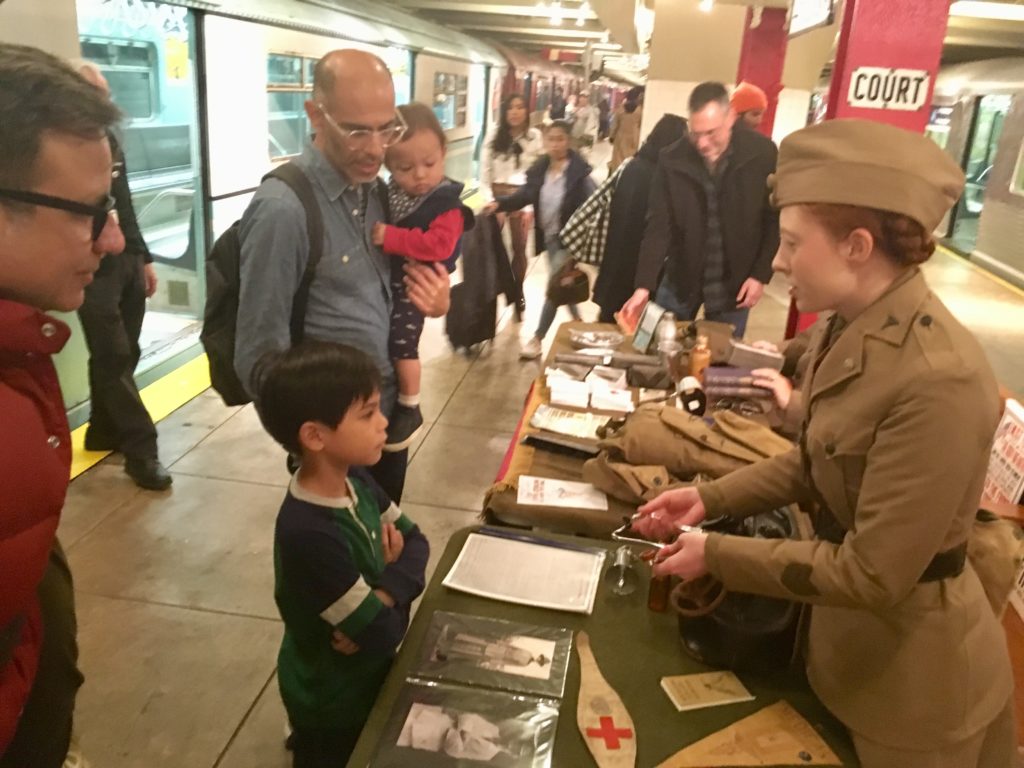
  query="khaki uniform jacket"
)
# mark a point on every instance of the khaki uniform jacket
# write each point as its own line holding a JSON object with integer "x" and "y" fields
{"x": 901, "y": 414}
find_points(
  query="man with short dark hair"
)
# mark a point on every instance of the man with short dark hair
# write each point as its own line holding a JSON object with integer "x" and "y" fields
{"x": 55, "y": 227}
{"x": 711, "y": 231}
{"x": 352, "y": 111}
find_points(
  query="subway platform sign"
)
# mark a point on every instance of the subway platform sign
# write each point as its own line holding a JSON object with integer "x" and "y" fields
{"x": 885, "y": 88}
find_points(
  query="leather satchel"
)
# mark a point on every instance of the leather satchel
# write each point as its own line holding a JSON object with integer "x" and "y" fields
{"x": 568, "y": 285}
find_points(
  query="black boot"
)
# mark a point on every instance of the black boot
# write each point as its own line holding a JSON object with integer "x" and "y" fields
{"x": 148, "y": 473}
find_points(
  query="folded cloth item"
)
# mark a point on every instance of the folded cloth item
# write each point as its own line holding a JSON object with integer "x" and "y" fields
{"x": 687, "y": 445}
{"x": 628, "y": 483}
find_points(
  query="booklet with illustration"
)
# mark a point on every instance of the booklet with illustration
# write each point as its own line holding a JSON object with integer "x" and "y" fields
{"x": 433, "y": 724}
{"x": 706, "y": 689}
{"x": 552, "y": 492}
{"x": 478, "y": 651}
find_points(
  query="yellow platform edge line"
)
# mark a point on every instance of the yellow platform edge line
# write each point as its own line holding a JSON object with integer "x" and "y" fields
{"x": 981, "y": 270}
{"x": 161, "y": 398}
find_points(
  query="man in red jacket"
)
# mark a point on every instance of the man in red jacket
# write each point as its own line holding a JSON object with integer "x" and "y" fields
{"x": 55, "y": 226}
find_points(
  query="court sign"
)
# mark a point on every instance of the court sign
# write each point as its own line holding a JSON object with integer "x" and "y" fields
{"x": 884, "y": 88}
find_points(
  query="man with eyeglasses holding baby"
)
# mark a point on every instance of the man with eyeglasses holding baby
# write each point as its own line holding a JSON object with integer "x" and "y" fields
{"x": 354, "y": 120}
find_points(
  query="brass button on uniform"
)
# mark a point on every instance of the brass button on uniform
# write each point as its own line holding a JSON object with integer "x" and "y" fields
{"x": 344, "y": 259}
{"x": 848, "y": 363}
{"x": 48, "y": 329}
{"x": 53, "y": 441}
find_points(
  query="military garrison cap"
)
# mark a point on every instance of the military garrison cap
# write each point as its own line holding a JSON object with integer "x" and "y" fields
{"x": 859, "y": 162}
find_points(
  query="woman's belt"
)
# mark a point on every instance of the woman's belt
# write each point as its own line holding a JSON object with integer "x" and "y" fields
{"x": 945, "y": 565}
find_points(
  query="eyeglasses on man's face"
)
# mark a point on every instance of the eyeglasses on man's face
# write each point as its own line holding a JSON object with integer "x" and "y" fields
{"x": 359, "y": 138}
{"x": 98, "y": 213}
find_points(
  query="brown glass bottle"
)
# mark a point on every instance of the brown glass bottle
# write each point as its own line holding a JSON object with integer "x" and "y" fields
{"x": 657, "y": 593}
{"x": 700, "y": 358}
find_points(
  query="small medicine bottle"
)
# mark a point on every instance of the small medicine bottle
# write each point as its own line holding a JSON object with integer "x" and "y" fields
{"x": 657, "y": 593}
{"x": 700, "y": 358}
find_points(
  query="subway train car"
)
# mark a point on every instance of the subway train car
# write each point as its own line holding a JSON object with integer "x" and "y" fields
{"x": 536, "y": 79}
{"x": 978, "y": 117}
{"x": 213, "y": 98}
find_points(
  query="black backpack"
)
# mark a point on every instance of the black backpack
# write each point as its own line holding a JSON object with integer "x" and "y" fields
{"x": 220, "y": 315}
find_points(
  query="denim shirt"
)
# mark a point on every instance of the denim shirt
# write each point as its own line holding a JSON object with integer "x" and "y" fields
{"x": 552, "y": 193}
{"x": 350, "y": 297}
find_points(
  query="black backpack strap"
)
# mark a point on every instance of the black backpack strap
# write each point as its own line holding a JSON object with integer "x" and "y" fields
{"x": 299, "y": 183}
{"x": 385, "y": 203}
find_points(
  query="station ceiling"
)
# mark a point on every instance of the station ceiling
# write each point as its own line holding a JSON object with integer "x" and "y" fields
{"x": 977, "y": 30}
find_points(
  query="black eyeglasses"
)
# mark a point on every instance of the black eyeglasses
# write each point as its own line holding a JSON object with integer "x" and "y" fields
{"x": 99, "y": 213}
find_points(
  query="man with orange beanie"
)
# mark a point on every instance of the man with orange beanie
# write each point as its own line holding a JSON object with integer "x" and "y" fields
{"x": 749, "y": 103}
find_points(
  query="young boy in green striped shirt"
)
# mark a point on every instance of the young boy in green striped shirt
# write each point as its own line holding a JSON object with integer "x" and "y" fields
{"x": 347, "y": 562}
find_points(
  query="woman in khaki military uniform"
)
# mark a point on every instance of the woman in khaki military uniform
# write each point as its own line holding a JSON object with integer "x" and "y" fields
{"x": 900, "y": 410}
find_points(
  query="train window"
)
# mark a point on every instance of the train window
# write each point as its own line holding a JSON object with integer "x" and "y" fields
{"x": 288, "y": 125}
{"x": 284, "y": 70}
{"x": 289, "y": 84}
{"x": 129, "y": 68}
{"x": 450, "y": 99}
{"x": 986, "y": 129}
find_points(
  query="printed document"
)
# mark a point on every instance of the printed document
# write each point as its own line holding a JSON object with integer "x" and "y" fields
{"x": 545, "y": 575}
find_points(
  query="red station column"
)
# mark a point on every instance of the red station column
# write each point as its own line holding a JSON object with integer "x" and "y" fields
{"x": 887, "y": 58}
{"x": 762, "y": 56}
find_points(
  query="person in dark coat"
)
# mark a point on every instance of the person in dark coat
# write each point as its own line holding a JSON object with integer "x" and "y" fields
{"x": 556, "y": 185}
{"x": 711, "y": 231}
{"x": 558, "y": 104}
{"x": 627, "y": 217}
{"x": 111, "y": 317}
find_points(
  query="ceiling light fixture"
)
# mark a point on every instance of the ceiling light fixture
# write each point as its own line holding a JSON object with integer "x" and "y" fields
{"x": 706, "y": 5}
{"x": 556, "y": 14}
{"x": 979, "y": 9}
{"x": 584, "y": 12}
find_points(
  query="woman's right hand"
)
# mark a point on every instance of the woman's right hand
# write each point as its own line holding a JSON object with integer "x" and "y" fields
{"x": 660, "y": 519}
{"x": 490, "y": 209}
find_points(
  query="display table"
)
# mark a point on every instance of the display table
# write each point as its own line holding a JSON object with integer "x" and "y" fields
{"x": 500, "y": 505}
{"x": 634, "y": 648}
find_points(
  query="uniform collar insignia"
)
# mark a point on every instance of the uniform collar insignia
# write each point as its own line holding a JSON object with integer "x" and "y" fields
{"x": 890, "y": 314}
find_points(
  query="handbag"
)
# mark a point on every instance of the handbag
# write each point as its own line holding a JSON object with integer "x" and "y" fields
{"x": 734, "y": 630}
{"x": 568, "y": 285}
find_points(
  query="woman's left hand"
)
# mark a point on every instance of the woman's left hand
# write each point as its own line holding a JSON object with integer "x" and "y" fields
{"x": 428, "y": 288}
{"x": 683, "y": 558}
{"x": 781, "y": 387}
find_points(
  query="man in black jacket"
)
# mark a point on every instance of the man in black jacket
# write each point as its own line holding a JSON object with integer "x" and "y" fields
{"x": 111, "y": 318}
{"x": 711, "y": 231}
